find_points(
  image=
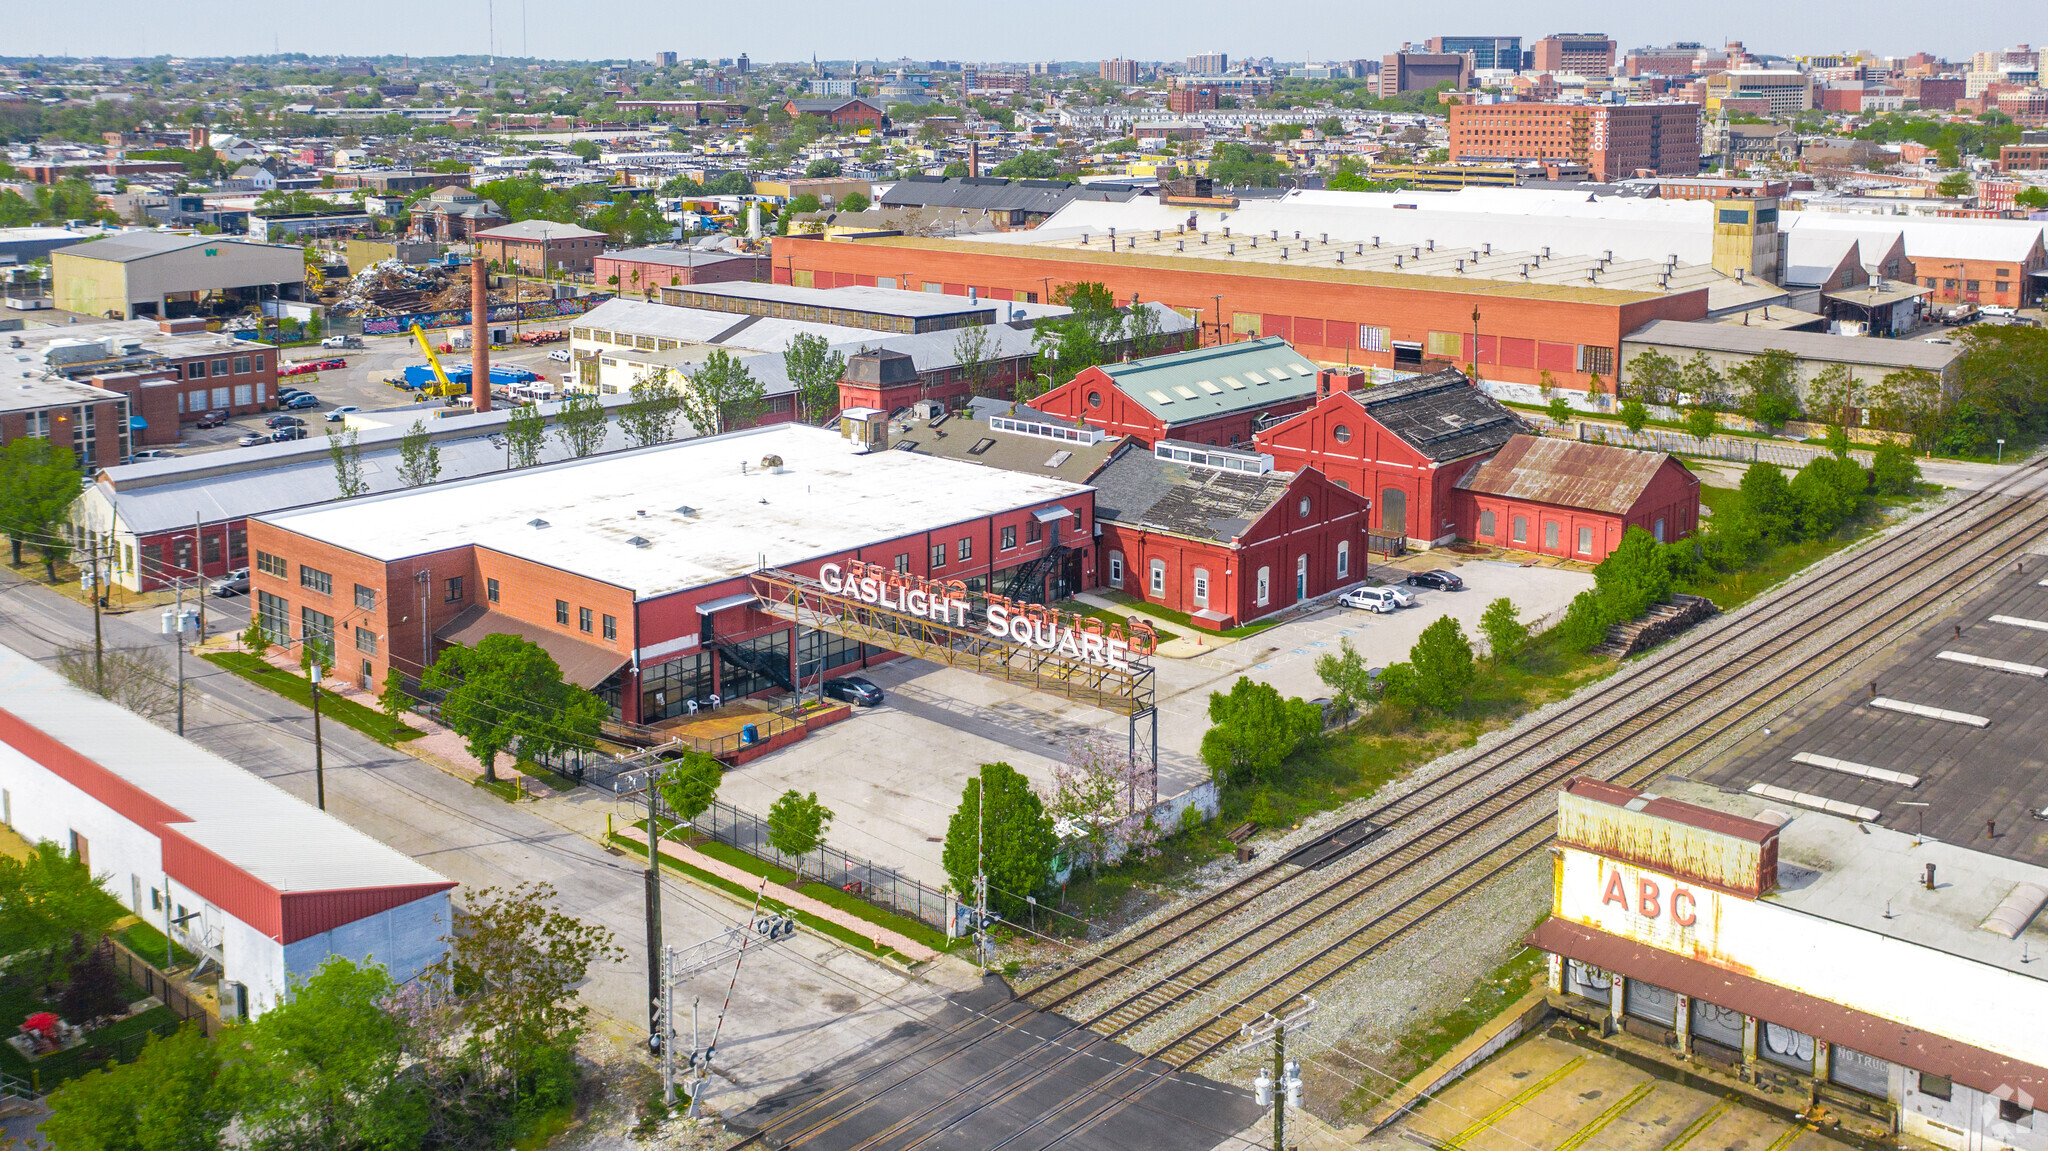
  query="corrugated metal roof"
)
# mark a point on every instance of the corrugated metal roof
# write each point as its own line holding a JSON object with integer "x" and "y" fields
{"x": 281, "y": 842}
{"x": 128, "y": 246}
{"x": 1567, "y": 474}
{"x": 1816, "y": 346}
{"x": 1201, "y": 383}
{"x": 995, "y": 194}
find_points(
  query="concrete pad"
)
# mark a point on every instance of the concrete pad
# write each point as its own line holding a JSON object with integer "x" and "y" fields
{"x": 1566, "y": 1113}
{"x": 1493, "y": 1090}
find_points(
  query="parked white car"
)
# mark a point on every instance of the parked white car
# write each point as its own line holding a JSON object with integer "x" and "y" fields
{"x": 559, "y": 356}
{"x": 1377, "y": 599}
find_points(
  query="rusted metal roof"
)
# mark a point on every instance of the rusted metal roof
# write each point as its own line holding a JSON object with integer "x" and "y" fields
{"x": 1821, "y": 1018}
{"x": 1712, "y": 848}
{"x": 1566, "y": 473}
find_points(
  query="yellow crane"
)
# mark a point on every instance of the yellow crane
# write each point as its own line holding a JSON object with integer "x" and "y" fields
{"x": 443, "y": 386}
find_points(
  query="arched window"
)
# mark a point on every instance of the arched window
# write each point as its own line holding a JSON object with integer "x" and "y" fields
{"x": 1305, "y": 506}
{"x": 1201, "y": 587}
{"x": 1486, "y": 524}
{"x": 1300, "y": 578}
{"x": 1343, "y": 559}
{"x": 1265, "y": 586}
{"x": 1116, "y": 569}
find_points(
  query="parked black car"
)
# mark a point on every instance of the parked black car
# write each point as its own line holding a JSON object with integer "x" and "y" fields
{"x": 853, "y": 689}
{"x": 1439, "y": 579}
{"x": 284, "y": 422}
{"x": 283, "y": 434}
{"x": 211, "y": 420}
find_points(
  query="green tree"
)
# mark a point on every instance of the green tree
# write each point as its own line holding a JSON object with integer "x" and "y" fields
{"x": 254, "y": 641}
{"x": 1769, "y": 384}
{"x": 722, "y": 395}
{"x": 650, "y": 416}
{"x": 797, "y": 823}
{"x": 393, "y": 698}
{"x": 1442, "y": 658}
{"x": 1506, "y": 634}
{"x": 508, "y": 692}
{"x": 580, "y": 423}
{"x": 1895, "y": 471}
{"x": 815, "y": 370}
{"x": 1954, "y": 186}
{"x": 1700, "y": 423}
{"x": 1767, "y": 499}
{"x": 806, "y": 202}
{"x": 38, "y": 482}
{"x": 1345, "y": 673}
{"x": 1703, "y": 380}
{"x": 174, "y": 1097}
{"x": 1652, "y": 377}
{"x": 854, "y": 202}
{"x": 525, "y": 431}
{"x": 347, "y": 455}
{"x": 1636, "y": 574}
{"x": 1253, "y": 731}
{"x": 1558, "y": 409}
{"x": 974, "y": 352}
{"x": 49, "y": 901}
{"x": 823, "y": 166}
{"x": 515, "y": 963}
{"x": 324, "y": 1068}
{"x": 1585, "y": 622}
{"x": 1829, "y": 491}
{"x": 1017, "y": 834}
{"x": 587, "y": 151}
{"x": 419, "y": 458}
{"x": 689, "y": 787}
{"x": 1029, "y": 165}
{"x": 2035, "y": 198}
{"x": 1634, "y": 415}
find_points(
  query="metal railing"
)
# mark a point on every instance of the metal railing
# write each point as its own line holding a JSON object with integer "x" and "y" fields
{"x": 154, "y": 982}
{"x": 874, "y": 883}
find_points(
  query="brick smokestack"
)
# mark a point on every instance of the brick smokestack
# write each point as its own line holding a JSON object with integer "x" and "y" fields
{"x": 974, "y": 157}
{"x": 479, "y": 334}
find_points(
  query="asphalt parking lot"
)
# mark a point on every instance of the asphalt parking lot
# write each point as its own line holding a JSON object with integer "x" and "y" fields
{"x": 360, "y": 383}
{"x": 916, "y": 751}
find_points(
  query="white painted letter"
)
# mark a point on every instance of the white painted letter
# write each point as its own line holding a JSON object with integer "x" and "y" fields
{"x": 828, "y": 577}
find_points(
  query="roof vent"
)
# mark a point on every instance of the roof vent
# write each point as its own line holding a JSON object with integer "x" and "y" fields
{"x": 686, "y": 510}
{"x": 1432, "y": 244}
{"x": 640, "y": 542}
{"x": 536, "y": 523}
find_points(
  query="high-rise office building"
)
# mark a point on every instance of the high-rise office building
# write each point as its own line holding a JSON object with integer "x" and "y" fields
{"x": 1486, "y": 51}
{"x": 1209, "y": 64}
{"x": 1574, "y": 54}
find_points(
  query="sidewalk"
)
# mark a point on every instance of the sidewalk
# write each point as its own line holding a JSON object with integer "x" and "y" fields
{"x": 882, "y": 936}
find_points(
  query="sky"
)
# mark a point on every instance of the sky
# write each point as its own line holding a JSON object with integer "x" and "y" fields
{"x": 1044, "y": 29}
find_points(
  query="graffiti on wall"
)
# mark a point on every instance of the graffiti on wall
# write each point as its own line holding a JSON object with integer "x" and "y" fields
{"x": 500, "y": 314}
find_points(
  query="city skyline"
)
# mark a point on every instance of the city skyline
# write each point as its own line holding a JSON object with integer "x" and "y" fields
{"x": 1306, "y": 29}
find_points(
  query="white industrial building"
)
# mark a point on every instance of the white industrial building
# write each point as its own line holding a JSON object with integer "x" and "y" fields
{"x": 258, "y": 882}
{"x": 1867, "y": 969}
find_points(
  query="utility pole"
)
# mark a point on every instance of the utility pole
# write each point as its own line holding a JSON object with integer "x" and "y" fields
{"x": 1281, "y": 1089}
{"x": 655, "y": 959}
{"x": 199, "y": 573}
{"x": 176, "y": 623}
{"x": 319, "y": 775}
{"x": 99, "y": 648}
{"x": 980, "y": 875}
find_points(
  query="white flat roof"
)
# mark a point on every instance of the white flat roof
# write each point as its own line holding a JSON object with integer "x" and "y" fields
{"x": 828, "y": 498}
{"x": 251, "y": 823}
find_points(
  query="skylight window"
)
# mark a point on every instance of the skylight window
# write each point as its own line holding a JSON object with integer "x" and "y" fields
{"x": 1234, "y": 382}
{"x": 1160, "y": 397}
{"x": 1059, "y": 458}
{"x": 1208, "y": 387}
{"x": 981, "y": 445}
{"x": 1255, "y": 377}
{"x": 1183, "y": 391}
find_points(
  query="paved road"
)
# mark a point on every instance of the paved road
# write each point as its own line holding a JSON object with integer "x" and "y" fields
{"x": 797, "y": 1006}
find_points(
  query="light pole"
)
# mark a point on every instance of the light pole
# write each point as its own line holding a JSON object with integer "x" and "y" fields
{"x": 2001, "y": 451}
{"x": 1475, "y": 343}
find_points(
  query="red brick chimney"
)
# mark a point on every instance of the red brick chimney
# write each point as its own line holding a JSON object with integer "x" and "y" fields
{"x": 974, "y": 157}
{"x": 479, "y": 334}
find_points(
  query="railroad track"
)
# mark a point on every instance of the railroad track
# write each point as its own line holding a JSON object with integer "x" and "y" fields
{"x": 1379, "y": 899}
{"x": 1590, "y": 726}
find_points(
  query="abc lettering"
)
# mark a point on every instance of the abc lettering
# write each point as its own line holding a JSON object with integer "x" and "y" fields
{"x": 1650, "y": 900}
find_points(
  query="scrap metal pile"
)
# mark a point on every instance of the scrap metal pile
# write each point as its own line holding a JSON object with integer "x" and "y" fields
{"x": 389, "y": 288}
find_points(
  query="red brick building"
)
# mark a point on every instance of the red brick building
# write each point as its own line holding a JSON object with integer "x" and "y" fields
{"x": 838, "y": 111}
{"x": 1218, "y": 534}
{"x": 1614, "y": 141}
{"x": 1574, "y": 500}
{"x": 539, "y": 247}
{"x": 1332, "y": 316}
{"x": 1212, "y": 395}
{"x": 1402, "y": 445}
{"x": 2022, "y": 157}
{"x": 1194, "y": 98}
{"x": 631, "y": 568}
{"x": 91, "y": 421}
{"x": 1573, "y": 54}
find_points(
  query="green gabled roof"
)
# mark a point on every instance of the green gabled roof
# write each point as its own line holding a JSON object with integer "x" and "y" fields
{"x": 1214, "y": 381}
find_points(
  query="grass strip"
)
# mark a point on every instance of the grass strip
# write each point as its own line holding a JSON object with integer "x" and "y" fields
{"x": 1180, "y": 617}
{"x": 369, "y": 721}
{"x": 821, "y": 926}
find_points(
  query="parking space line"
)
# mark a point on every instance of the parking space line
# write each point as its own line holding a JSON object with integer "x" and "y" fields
{"x": 1520, "y": 1098}
{"x": 1600, "y": 1121}
{"x": 1700, "y": 1124}
{"x": 1785, "y": 1140}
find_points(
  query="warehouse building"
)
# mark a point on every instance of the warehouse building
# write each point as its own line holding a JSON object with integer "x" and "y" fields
{"x": 1215, "y": 395}
{"x": 254, "y": 881}
{"x": 172, "y": 371}
{"x": 166, "y": 276}
{"x": 1859, "y": 968}
{"x": 632, "y": 568}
